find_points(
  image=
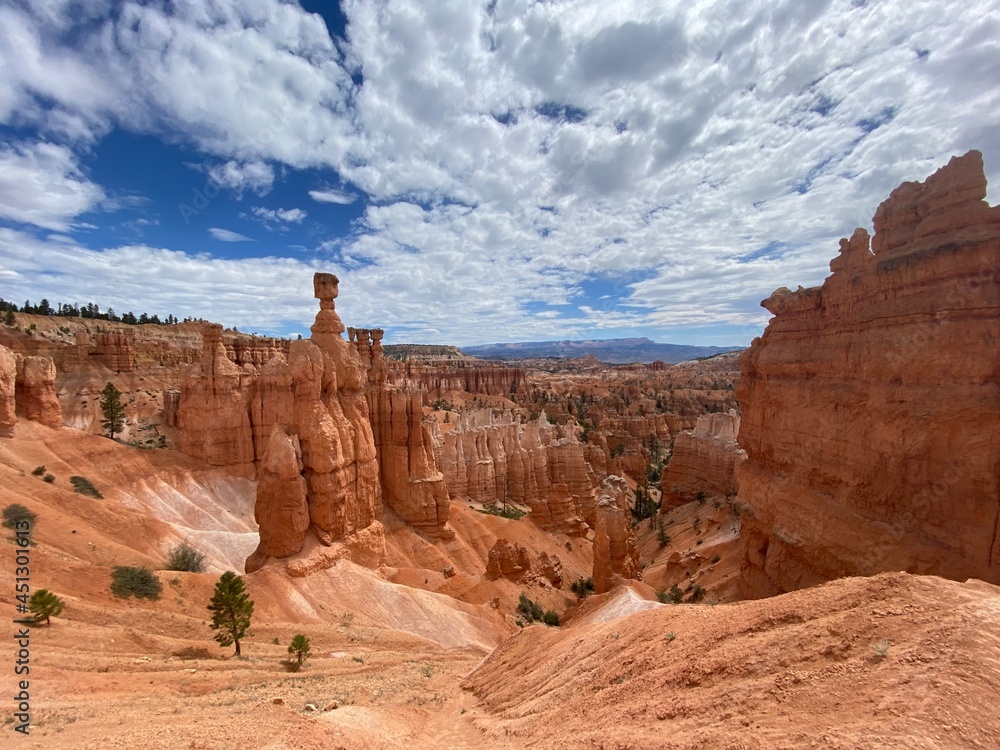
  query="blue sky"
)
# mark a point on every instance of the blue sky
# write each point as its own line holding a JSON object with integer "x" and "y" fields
{"x": 474, "y": 172}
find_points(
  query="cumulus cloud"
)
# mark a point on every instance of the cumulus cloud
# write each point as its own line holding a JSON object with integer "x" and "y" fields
{"x": 263, "y": 294}
{"x": 226, "y": 235}
{"x": 510, "y": 153}
{"x": 255, "y": 176}
{"x": 42, "y": 184}
{"x": 281, "y": 216}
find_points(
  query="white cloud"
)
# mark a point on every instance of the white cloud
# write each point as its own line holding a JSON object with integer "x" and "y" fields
{"x": 508, "y": 156}
{"x": 285, "y": 215}
{"x": 226, "y": 235}
{"x": 332, "y": 196}
{"x": 255, "y": 176}
{"x": 42, "y": 184}
{"x": 255, "y": 294}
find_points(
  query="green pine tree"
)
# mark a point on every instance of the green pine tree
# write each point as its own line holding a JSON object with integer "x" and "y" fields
{"x": 113, "y": 410}
{"x": 231, "y": 610}
{"x": 300, "y": 648}
{"x": 43, "y": 604}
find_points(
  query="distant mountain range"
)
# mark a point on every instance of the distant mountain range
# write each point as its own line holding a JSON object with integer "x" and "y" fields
{"x": 613, "y": 351}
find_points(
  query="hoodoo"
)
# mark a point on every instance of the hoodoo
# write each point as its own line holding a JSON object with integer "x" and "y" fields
{"x": 320, "y": 468}
{"x": 871, "y": 404}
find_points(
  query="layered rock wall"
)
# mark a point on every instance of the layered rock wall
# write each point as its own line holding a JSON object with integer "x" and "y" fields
{"x": 490, "y": 458}
{"x": 114, "y": 349}
{"x": 213, "y": 414}
{"x": 27, "y": 389}
{"x": 471, "y": 377}
{"x": 703, "y": 462}
{"x": 871, "y": 405}
{"x": 413, "y": 485}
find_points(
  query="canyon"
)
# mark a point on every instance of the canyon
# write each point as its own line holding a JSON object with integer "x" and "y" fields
{"x": 784, "y": 543}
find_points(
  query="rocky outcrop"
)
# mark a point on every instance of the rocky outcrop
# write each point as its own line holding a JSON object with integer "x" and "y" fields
{"x": 254, "y": 350}
{"x": 413, "y": 485}
{"x": 37, "y": 391}
{"x": 213, "y": 415}
{"x": 703, "y": 462}
{"x": 490, "y": 458}
{"x": 477, "y": 377}
{"x": 8, "y": 380}
{"x": 114, "y": 349}
{"x": 616, "y": 552}
{"x": 368, "y": 342}
{"x": 271, "y": 403}
{"x": 550, "y": 568}
{"x": 171, "y": 404}
{"x": 282, "y": 507}
{"x": 321, "y": 451}
{"x": 870, "y": 405}
{"x": 506, "y": 559}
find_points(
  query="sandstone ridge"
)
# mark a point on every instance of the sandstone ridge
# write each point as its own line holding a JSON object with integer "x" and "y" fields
{"x": 870, "y": 404}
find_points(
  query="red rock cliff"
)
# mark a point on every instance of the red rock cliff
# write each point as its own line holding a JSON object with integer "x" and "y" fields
{"x": 871, "y": 405}
{"x": 703, "y": 461}
{"x": 490, "y": 458}
{"x": 475, "y": 376}
{"x": 413, "y": 484}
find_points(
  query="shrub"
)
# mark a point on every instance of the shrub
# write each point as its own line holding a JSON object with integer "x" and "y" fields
{"x": 715, "y": 558}
{"x": 551, "y": 618}
{"x": 697, "y": 594}
{"x": 186, "y": 558}
{"x": 582, "y": 587}
{"x": 16, "y": 512}
{"x": 531, "y": 611}
{"x": 880, "y": 649}
{"x": 662, "y": 597}
{"x": 515, "y": 514}
{"x": 83, "y": 486}
{"x": 38, "y": 471}
{"x": 43, "y": 604}
{"x": 141, "y": 583}
{"x": 675, "y": 595}
{"x": 48, "y": 479}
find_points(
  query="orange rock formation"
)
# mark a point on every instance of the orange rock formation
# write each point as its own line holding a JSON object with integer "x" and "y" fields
{"x": 506, "y": 559}
{"x": 38, "y": 400}
{"x": 474, "y": 376}
{"x": 490, "y": 458}
{"x": 320, "y": 466}
{"x": 414, "y": 487}
{"x": 616, "y": 552}
{"x": 212, "y": 414}
{"x": 871, "y": 404}
{"x": 8, "y": 379}
{"x": 703, "y": 461}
